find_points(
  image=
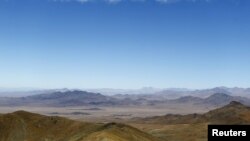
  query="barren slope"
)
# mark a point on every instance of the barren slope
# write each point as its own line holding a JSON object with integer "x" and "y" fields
{"x": 24, "y": 126}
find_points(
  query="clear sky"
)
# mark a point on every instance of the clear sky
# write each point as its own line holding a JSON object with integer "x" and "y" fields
{"x": 124, "y": 43}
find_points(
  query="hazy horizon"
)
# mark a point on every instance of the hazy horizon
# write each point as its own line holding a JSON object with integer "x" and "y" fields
{"x": 99, "y": 88}
{"x": 22, "y": 92}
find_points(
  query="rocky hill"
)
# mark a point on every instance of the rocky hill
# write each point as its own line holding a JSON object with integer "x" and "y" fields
{"x": 233, "y": 113}
{"x": 25, "y": 126}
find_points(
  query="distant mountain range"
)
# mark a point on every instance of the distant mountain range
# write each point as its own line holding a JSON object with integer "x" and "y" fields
{"x": 21, "y": 92}
{"x": 67, "y": 98}
{"x": 145, "y": 92}
{"x": 80, "y": 98}
{"x": 177, "y": 93}
{"x": 217, "y": 99}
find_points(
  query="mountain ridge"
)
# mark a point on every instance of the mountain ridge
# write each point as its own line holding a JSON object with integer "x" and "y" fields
{"x": 81, "y": 98}
{"x": 26, "y": 126}
{"x": 232, "y": 113}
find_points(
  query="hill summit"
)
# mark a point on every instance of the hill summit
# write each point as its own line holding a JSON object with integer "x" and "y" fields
{"x": 25, "y": 126}
{"x": 233, "y": 113}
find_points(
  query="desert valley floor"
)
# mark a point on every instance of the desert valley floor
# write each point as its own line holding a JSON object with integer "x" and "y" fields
{"x": 107, "y": 114}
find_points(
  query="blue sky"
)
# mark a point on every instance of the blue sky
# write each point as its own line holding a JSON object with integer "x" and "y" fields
{"x": 124, "y": 43}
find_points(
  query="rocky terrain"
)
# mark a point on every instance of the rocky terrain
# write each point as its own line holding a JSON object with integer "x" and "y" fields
{"x": 25, "y": 126}
{"x": 192, "y": 127}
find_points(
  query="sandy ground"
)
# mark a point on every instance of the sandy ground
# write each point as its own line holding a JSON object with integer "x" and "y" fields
{"x": 107, "y": 114}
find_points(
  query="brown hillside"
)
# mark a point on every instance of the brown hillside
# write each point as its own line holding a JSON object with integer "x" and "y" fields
{"x": 192, "y": 127}
{"x": 25, "y": 126}
{"x": 233, "y": 113}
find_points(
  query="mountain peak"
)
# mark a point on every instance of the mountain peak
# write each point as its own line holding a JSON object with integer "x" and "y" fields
{"x": 21, "y": 112}
{"x": 219, "y": 95}
{"x": 235, "y": 103}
